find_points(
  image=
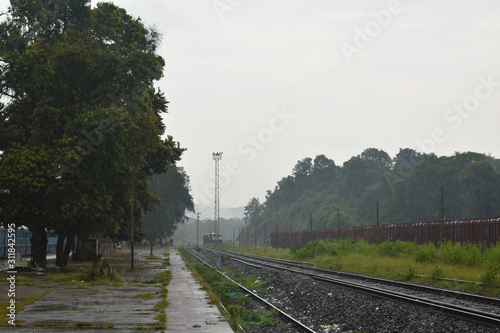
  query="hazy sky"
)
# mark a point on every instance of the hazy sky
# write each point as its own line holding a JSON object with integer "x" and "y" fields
{"x": 271, "y": 82}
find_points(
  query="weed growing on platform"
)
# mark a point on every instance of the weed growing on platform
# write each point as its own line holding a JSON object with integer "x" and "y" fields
{"x": 85, "y": 275}
{"x": 21, "y": 303}
{"x": 163, "y": 278}
{"x": 220, "y": 290}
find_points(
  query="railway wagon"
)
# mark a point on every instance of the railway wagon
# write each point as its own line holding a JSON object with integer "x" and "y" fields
{"x": 23, "y": 243}
{"x": 212, "y": 237}
{"x": 478, "y": 230}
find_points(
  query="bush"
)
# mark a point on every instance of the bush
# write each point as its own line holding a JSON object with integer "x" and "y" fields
{"x": 396, "y": 249}
{"x": 457, "y": 254}
{"x": 426, "y": 253}
{"x": 473, "y": 255}
{"x": 450, "y": 253}
{"x": 315, "y": 248}
{"x": 490, "y": 278}
{"x": 388, "y": 249}
{"x": 412, "y": 273}
{"x": 437, "y": 273}
{"x": 492, "y": 256}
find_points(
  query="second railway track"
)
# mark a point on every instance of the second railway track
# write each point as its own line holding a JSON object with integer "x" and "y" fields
{"x": 481, "y": 312}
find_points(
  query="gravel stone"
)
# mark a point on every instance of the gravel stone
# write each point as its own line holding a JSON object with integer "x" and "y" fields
{"x": 317, "y": 303}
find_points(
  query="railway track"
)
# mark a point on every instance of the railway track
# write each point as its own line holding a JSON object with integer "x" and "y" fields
{"x": 289, "y": 318}
{"x": 478, "y": 309}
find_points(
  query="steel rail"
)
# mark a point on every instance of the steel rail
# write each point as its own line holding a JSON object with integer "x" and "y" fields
{"x": 296, "y": 322}
{"x": 441, "y": 292}
{"x": 485, "y": 318}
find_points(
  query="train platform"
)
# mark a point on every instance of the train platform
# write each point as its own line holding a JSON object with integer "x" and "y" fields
{"x": 189, "y": 309}
{"x": 70, "y": 306}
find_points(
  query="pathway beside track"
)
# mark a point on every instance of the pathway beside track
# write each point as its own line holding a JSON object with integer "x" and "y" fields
{"x": 189, "y": 309}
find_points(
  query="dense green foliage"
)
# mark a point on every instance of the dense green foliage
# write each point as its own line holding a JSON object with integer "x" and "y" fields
{"x": 81, "y": 131}
{"x": 470, "y": 255}
{"x": 407, "y": 188}
{"x": 172, "y": 188}
{"x": 466, "y": 255}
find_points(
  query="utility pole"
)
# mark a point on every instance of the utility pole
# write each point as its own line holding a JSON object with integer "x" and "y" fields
{"x": 311, "y": 225}
{"x": 197, "y": 229}
{"x": 153, "y": 233}
{"x": 217, "y": 157}
{"x": 265, "y": 236}
{"x": 378, "y": 231}
{"x": 132, "y": 227}
{"x": 338, "y": 223}
{"x": 442, "y": 214}
{"x": 276, "y": 237}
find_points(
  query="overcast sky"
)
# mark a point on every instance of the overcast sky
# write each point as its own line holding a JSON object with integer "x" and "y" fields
{"x": 271, "y": 82}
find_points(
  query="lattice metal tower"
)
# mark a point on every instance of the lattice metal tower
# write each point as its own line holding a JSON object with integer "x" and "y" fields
{"x": 217, "y": 157}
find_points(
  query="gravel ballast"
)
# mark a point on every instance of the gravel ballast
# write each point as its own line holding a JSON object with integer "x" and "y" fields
{"x": 324, "y": 307}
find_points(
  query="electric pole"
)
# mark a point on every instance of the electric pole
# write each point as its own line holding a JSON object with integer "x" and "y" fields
{"x": 197, "y": 230}
{"x": 217, "y": 157}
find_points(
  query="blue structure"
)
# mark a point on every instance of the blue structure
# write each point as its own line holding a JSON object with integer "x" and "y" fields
{"x": 23, "y": 244}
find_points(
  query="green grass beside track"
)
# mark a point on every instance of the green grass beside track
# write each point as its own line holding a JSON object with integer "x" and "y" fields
{"x": 442, "y": 265}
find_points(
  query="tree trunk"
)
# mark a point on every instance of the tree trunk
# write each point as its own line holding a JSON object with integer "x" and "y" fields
{"x": 81, "y": 253}
{"x": 60, "y": 248}
{"x": 39, "y": 245}
{"x": 70, "y": 239}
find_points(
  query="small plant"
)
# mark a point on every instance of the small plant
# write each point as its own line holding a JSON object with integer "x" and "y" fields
{"x": 412, "y": 273}
{"x": 490, "y": 278}
{"x": 437, "y": 273}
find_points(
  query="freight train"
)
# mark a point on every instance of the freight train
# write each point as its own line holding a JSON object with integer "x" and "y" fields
{"x": 212, "y": 237}
{"x": 478, "y": 230}
{"x": 23, "y": 243}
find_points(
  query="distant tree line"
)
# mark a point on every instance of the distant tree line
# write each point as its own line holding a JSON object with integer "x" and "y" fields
{"x": 406, "y": 187}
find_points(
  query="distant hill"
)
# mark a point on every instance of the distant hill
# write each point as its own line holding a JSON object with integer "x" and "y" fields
{"x": 207, "y": 212}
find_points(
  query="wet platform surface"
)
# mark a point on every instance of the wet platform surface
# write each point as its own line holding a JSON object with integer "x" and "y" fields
{"x": 189, "y": 309}
{"x": 102, "y": 308}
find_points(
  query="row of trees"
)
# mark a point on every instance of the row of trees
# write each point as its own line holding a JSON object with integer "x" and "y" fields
{"x": 81, "y": 129}
{"x": 407, "y": 188}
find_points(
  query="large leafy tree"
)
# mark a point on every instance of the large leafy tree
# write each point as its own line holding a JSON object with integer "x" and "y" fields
{"x": 174, "y": 201}
{"x": 253, "y": 211}
{"x": 482, "y": 193}
{"x": 81, "y": 130}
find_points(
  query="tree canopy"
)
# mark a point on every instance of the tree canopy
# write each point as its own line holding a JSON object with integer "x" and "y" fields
{"x": 81, "y": 131}
{"x": 172, "y": 189}
{"x": 407, "y": 188}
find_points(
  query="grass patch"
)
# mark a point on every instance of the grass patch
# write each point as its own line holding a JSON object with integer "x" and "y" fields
{"x": 21, "y": 303}
{"x": 222, "y": 291}
{"x": 163, "y": 278}
{"x": 144, "y": 297}
{"x": 477, "y": 263}
{"x": 86, "y": 275}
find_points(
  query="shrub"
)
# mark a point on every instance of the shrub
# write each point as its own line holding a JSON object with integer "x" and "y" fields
{"x": 473, "y": 256}
{"x": 450, "y": 253}
{"x": 315, "y": 248}
{"x": 490, "y": 278}
{"x": 426, "y": 253}
{"x": 412, "y": 273}
{"x": 437, "y": 273}
{"x": 492, "y": 256}
{"x": 388, "y": 249}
